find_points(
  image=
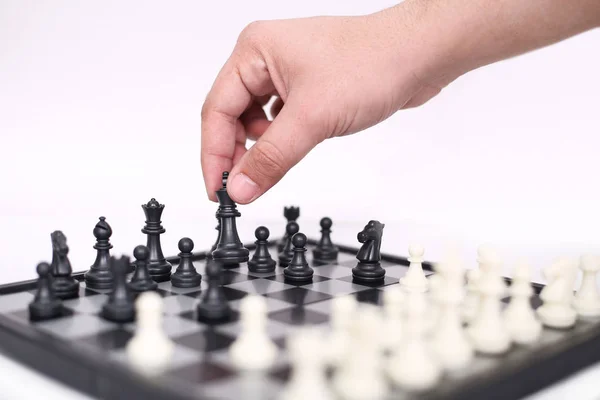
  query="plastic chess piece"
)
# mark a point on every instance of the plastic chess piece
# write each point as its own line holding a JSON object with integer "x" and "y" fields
{"x": 339, "y": 340}
{"x": 186, "y": 276}
{"x": 45, "y": 304}
{"x": 415, "y": 279}
{"x": 120, "y": 304}
{"x": 214, "y": 246}
{"x": 63, "y": 283}
{"x": 158, "y": 266}
{"x": 286, "y": 255}
{"x": 325, "y": 251}
{"x": 368, "y": 269}
{"x": 557, "y": 310}
{"x": 261, "y": 260}
{"x": 213, "y": 304}
{"x": 519, "y": 316}
{"x": 99, "y": 275}
{"x": 393, "y": 301}
{"x": 141, "y": 280}
{"x": 229, "y": 251}
{"x": 291, "y": 214}
{"x": 298, "y": 269}
{"x": 587, "y": 299}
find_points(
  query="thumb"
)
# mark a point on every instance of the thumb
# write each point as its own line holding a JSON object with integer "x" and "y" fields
{"x": 288, "y": 140}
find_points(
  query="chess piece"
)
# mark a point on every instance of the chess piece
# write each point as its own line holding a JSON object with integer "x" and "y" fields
{"x": 298, "y": 269}
{"x": 343, "y": 310}
{"x": 261, "y": 260}
{"x": 120, "y": 304}
{"x": 229, "y": 251}
{"x": 368, "y": 269}
{"x": 63, "y": 284}
{"x": 213, "y": 304}
{"x": 519, "y": 317}
{"x": 141, "y": 280}
{"x": 158, "y": 266}
{"x": 253, "y": 349}
{"x": 557, "y": 310}
{"x": 45, "y": 305}
{"x": 214, "y": 246}
{"x": 393, "y": 301}
{"x": 587, "y": 299}
{"x": 185, "y": 275}
{"x": 486, "y": 258}
{"x": 291, "y": 214}
{"x": 99, "y": 275}
{"x": 326, "y": 251}
{"x": 150, "y": 350}
{"x": 286, "y": 255}
{"x": 415, "y": 279}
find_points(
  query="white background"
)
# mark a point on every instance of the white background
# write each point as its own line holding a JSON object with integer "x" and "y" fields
{"x": 100, "y": 111}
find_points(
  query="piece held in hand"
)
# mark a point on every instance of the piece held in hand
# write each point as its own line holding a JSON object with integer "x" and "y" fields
{"x": 63, "y": 283}
{"x": 291, "y": 214}
{"x": 229, "y": 251}
{"x": 213, "y": 303}
{"x": 99, "y": 275}
{"x": 298, "y": 269}
{"x": 141, "y": 280}
{"x": 261, "y": 260}
{"x": 120, "y": 304}
{"x": 325, "y": 251}
{"x": 186, "y": 276}
{"x": 368, "y": 269}
{"x": 45, "y": 304}
{"x": 158, "y": 266}
{"x": 286, "y": 255}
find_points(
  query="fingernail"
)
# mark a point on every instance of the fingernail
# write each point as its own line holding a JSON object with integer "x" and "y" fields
{"x": 243, "y": 189}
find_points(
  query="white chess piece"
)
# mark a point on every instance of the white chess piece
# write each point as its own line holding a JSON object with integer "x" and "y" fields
{"x": 557, "y": 310}
{"x": 306, "y": 347}
{"x": 487, "y": 258}
{"x": 413, "y": 367}
{"x": 415, "y": 279}
{"x": 253, "y": 349}
{"x": 149, "y": 351}
{"x": 519, "y": 317}
{"x": 393, "y": 300}
{"x": 587, "y": 299}
{"x": 343, "y": 311}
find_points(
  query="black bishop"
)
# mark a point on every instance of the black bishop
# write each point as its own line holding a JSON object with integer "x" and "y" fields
{"x": 99, "y": 276}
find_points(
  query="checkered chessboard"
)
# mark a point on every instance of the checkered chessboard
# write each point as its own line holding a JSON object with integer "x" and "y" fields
{"x": 200, "y": 363}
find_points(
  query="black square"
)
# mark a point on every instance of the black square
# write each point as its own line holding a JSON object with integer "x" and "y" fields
{"x": 192, "y": 315}
{"x": 231, "y": 294}
{"x": 281, "y": 278}
{"x": 109, "y": 340}
{"x": 299, "y": 296}
{"x": 370, "y": 296}
{"x": 231, "y": 276}
{"x": 387, "y": 280}
{"x": 299, "y": 316}
{"x": 205, "y": 341}
{"x": 201, "y": 372}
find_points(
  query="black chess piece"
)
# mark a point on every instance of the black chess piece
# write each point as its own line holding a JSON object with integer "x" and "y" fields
{"x": 261, "y": 260}
{"x": 158, "y": 266}
{"x": 213, "y": 304}
{"x": 45, "y": 304}
{"x": 287, "y": 253}
{"x": 229, "y": 251}
{"x": 63, "y": 284}
{"x": 99, "y": 276}
{"x": 120, "y": 306}
{"x": 326, "y": 251}
{"x": 291, "y": 214}
{"x": 186, "y": 276}
{"x": 214, "y": 246}
{"x": 298, "y": 269}
{"x": 141, "y": 281}
{"x": 368, "y": 269}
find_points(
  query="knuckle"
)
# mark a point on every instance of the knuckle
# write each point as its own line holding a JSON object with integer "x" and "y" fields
{"x": 252, "y": 32}
{"x": 268, "y": 161}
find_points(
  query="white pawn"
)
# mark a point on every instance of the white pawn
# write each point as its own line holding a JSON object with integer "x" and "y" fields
{"x": 557, "y": 310}
{"x": 519, "y": 317}
{"x": 415, "y": 279}
{"x": 253, "y": 349}
{"x": 487, "y": 259}
{"x": 393, "y": 300}
{"x": 343, "y": 311}
{"x": 308, "y": 379}
{"x": 150, "y": 350}
{"x": 413, "y": 367}
{"x": 587, "y": 299}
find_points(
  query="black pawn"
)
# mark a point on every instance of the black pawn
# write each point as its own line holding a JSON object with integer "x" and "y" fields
{"x": 158, "y": 266}
{"x": 186, "y": 275}
{"x": 325, "y": 251}
{"x": 99, "y": 275}
{"x": 291, "y": 214}
{"x": 45, "y": 304}
{"x": 287, "y": 253}
{"x": 261, "y": 260}
{"x": 214, "y": 246}
{"x": 213, "y": 303}
{"x": 120, "y": 304}
{"x": 298, "y": 269}
{"x": 63, "y": 284}
{"x": 141, "y": 280}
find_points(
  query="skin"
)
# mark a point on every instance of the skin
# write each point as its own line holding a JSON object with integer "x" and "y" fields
{"x": 334, "y": 76}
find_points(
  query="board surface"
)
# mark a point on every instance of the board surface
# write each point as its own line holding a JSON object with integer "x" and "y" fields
{"x": 87, "y": 352}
